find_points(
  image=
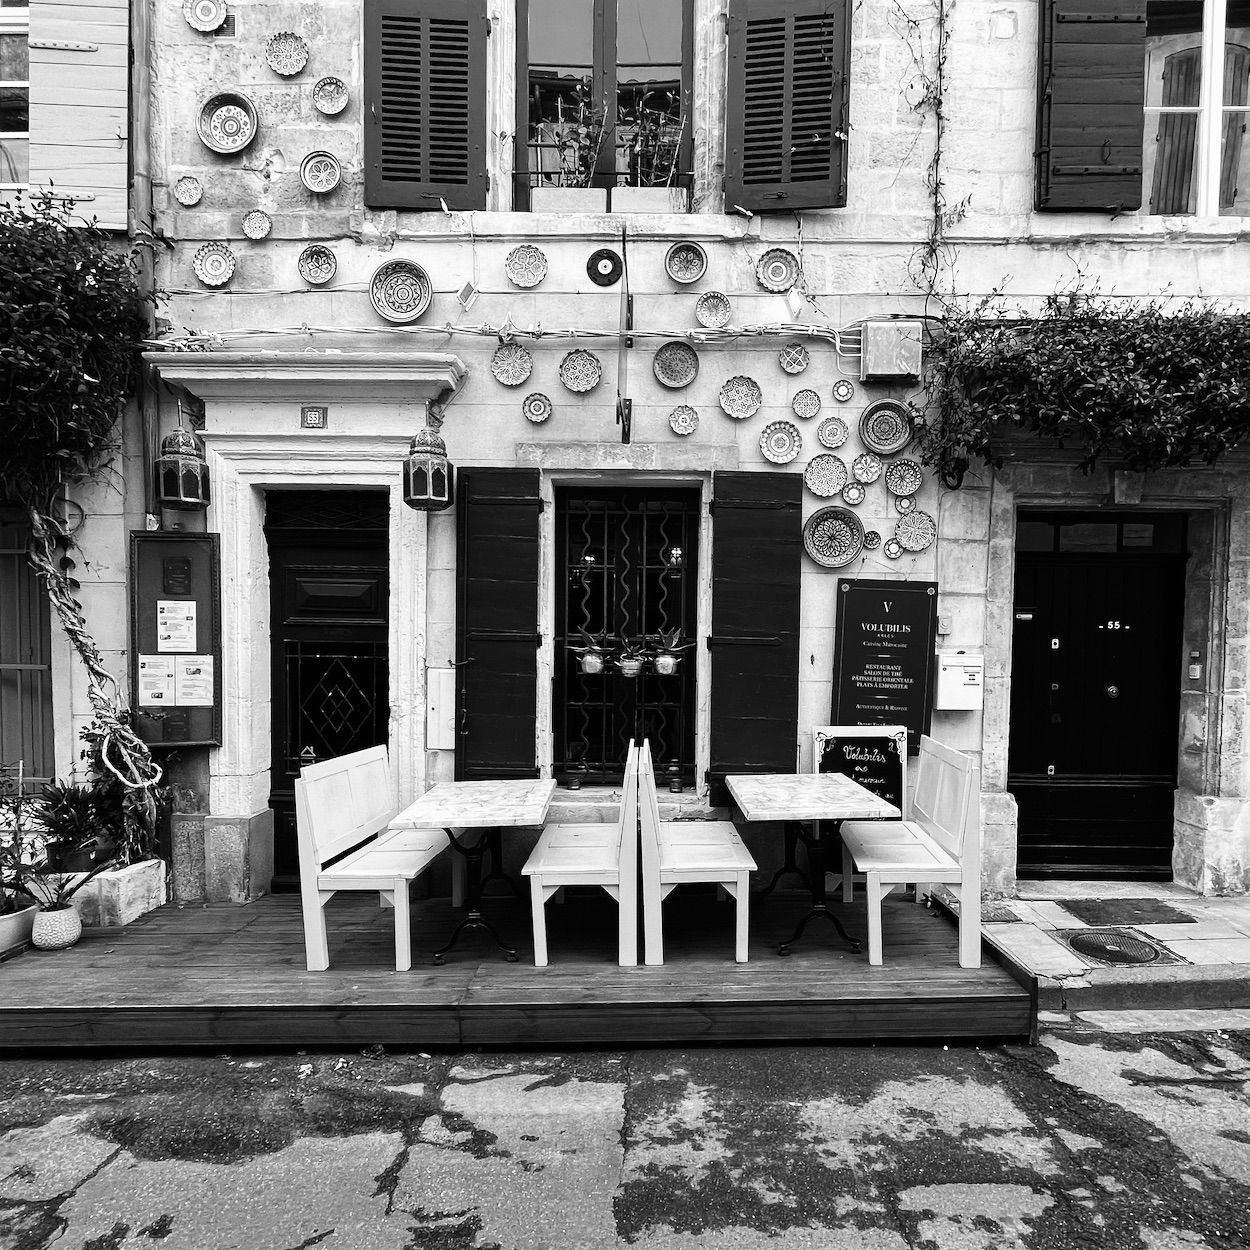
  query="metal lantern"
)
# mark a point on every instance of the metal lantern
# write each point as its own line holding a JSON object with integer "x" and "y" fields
{"x": 428, "y": 474}
{"x": 182, "y": 472}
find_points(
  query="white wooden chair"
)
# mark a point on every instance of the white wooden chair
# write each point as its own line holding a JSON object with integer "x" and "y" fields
{"x": 603, "y": 855}
{"x": 675, "y": 852}
{"x": 938, "y": 843}
{"x": 344, "y": 805}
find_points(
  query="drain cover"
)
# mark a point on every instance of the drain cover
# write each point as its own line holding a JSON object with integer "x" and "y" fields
{"x": 1113, "y": 947}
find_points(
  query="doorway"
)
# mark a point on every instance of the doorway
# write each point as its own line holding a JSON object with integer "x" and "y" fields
{"x": 1095, "y": 692}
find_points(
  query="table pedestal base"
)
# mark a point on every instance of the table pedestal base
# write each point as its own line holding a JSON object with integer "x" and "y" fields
{"x": 474, "y": 919}
{"x": 820, "y": 909}
{"x": 818, "y": 840}
{"x": 789, "y": 865}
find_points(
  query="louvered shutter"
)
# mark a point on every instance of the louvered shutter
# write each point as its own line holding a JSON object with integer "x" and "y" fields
{"x": 79, "y": 105}
{"x": 757, "y": 541}
{"x": 1091, "y": 93}
{"x": 497, "y": 623}
{"x": 787, "y": 104}
{"x": 425, "y": 126}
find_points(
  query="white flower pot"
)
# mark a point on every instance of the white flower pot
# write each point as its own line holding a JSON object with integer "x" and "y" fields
{"x": 568, "y": 199}
{"x": 15, "y": 927}
{"x": 629, "y": 668}
{"x": 665, "y": 663}
{"x": 55, "y": 930}
{"x": 592, "y": 663}
{"x": 649, "y": 199}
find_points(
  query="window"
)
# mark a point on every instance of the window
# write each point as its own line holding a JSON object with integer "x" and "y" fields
{"x": 14, "y": 94}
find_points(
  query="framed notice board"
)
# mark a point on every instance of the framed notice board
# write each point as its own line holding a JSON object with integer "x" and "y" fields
{"x": 175, "y": 638}
{"x": 883, "y": 655}
{"x": 875, "y": 756}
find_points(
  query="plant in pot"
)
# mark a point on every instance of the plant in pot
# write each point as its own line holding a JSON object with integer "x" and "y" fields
{"x": 668, "y": 653}
{"x": 631, "y": 659}
{"x": 593, "y": 654}
{"x": 18, "y": 824}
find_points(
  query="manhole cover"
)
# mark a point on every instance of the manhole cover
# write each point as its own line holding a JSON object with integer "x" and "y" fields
{"x": 1113, "y": 948}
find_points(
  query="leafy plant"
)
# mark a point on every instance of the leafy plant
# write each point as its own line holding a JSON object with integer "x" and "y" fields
{"x": 672, "y": 642}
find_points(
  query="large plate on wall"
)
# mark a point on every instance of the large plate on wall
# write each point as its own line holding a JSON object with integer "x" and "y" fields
{"x": 400, "y": 290}
{"x": 833, "y": 537}
{"x": 227, "y": 122}
{"x": 885, "y": 427}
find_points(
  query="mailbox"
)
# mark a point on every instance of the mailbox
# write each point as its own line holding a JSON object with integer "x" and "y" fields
{"x": 960, "y": 681}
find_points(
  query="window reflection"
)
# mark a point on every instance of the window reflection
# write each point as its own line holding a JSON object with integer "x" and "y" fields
{"x": 648, "y": 92}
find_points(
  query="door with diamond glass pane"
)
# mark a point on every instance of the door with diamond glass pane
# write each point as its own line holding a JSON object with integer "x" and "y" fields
{"x": 328, "y": 596}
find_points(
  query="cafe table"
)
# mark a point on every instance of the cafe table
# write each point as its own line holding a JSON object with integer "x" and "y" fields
{"x": 460, "y": 807}
{"x": 823, "y": 799}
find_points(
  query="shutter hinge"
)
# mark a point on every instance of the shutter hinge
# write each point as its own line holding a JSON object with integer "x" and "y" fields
{"x": 64, "y": 45}
{"x": 490, "y": 27}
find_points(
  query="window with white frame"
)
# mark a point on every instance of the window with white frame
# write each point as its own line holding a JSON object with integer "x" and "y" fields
{"x": 14, "y": 94}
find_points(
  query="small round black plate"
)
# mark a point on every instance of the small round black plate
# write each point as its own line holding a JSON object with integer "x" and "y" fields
{"x": 605, "y": 267}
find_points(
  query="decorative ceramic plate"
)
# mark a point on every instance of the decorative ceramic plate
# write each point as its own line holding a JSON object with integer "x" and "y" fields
{"x": 204, "y": 15}
{"x": 227, "y": 122}
{"x": 580, "y": 371}
{"x": 257, "y": 224}
{"x": 286, "y": 53}
{"x": 905, "y": 504}
{"x": 214, "y": 264}
{"x": 892, "y": 549}
{"x": 844, "y": 390}
{"x": 188, "y": 191}
{"x": 832, "y": 433}
{"x": 825, "y": 475}
{"x": 676, "y": 364}
{"x": 526, "y": 265}
{"x": 683, "y": 419}
{"x": 537, "y": 407}
{"x": 806, "y": 404}
{"x": 329, "y": 96}
{"x": 400, "y": 290}
{"x": 320, "y": 172}
{"x": 712, "y": 309}
{"x": 685, "y": 262}
{"x": 781, "y": 441}
{"x": 872, "y": 540}
{"x": 853, "y": 494}
{"x": 915, "y": 531}
{"x": 833, "y": 537}
{"x": 317, "y": 264}
{"x": 511, "y": 364}
{"x": 794, "y": 358}
{"x": 885, "y": 427}
{"x": 866, "y": 467}
{"x": 604, "y": 268}
{"x": 903, "y": 477}
{"x": 741, "y": 397}
{"x": 777, "y": 270}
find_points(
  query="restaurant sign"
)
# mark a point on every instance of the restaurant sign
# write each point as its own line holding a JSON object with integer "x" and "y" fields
{"x": 872, "y": 756}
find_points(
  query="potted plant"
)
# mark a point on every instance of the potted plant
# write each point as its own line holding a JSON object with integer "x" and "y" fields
{"x": 78, "y": 820}
{"x": 631, "y": 658}
{"x": 650, "y": 133}
{"x": 593, "y": 654}
{"x": 667, "y": 655}
{"x": 17, "y": 824}
{"x": 575, "y": 136}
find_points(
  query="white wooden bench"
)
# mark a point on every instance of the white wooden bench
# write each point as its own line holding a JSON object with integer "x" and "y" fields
{"x": 342, "y": 808}
{"x": 675, "y": 852}
{"x": 938, "y": 843}
{"x": 600, "y": 854}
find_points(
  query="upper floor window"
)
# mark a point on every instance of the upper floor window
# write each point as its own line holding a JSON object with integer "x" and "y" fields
{"x": 14, "y": 94}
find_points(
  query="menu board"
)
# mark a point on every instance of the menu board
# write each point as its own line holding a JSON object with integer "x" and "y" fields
{"x": 874, "y": 756}
{"x": 883, "y": 655}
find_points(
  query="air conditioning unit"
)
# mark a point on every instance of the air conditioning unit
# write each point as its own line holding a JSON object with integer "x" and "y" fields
{"x": 889, "y": 349}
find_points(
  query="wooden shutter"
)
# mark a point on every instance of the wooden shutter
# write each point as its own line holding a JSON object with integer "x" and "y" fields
{"x": 497, "y": 623}
{"x": 425, "y": 82}
{"x": 787, "y": 104}
{"x": 79, "y": 104}
{"x": 1091, "y": 95}
{"x": 757, "y": 543}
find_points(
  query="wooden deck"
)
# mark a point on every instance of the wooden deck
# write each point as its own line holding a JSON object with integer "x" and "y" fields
{"x": 230, "y": 975}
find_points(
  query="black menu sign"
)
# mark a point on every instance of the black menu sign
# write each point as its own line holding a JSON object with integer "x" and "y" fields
{"x": 883, "y": 655}
{"x": 873, "y": 756}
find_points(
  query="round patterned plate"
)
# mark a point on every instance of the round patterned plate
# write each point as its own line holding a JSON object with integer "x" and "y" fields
{"x": 329, "y": 95}
{"x": 526, "y": 265}
{"x": 683, "y": 419}
{"x": 905, "y": 504}
{"x": 286, "y": 53}
{"x": 204, "y": 15}
{"x": 833, "y": 537}
{"x": 903, "y": 477}
{"x": 866, "y": 467}
{"x": 580, "y": 371}
{"x": 781, "y": 441}
{"x": 872, "y": 540}
{"x": 685, "y": 262}
{"x": 320, "y": 172}
{"x": 825, "y": 475}
{"x": 214, "y": 264}
{"x": 794, "y": 358}
{"x": 712, "y": 309}
{"x": 227, "y": 122}
{"x": 317, "y": 264}
{"x": 537, "y": 407}
{"x": 844, "y": 390}
{"x": 741, "y": 397}
{"x": 885, "y": 427}
{"x": 188, "y": 191}
{"x": 916, "y": 530}
{"x": 853, "y": 494}
{"x": 806, "y": 404}
{"x": 511, "y": 364}
{"x": 832, "y": 433}
{"x": 892, "y": 549}
{"x": 676, "y": 364}
{"x": 257, "y": 224}
{"x": 777, "y": 270}
{"x": 400, "y": 290}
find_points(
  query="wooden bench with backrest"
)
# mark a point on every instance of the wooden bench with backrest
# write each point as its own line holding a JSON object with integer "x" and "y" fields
{"x": 939, "y": 843}
{"x": 342, "y": 809}
{"x": 675, "y": 852}
{"x": 593, "y": 854}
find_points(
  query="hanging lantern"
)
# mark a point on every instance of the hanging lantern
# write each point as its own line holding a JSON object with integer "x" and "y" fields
{"x": 182, "y": 473}
{"x": 428, "y": 474}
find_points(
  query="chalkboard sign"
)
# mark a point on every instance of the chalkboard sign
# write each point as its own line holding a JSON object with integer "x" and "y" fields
{"x": 875, "y": 756}
{"x": 883, "y": 655}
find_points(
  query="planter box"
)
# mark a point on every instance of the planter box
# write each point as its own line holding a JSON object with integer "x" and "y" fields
{"x": 120, "y": 895}
{"x": 15, "y": 929}
{"x": 650, "y": 200}
{"x": 568, "y": 200}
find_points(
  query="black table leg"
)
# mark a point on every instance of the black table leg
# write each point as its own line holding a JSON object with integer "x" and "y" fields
{"x": 789, "y": 863}
{"x": 473, "y": 897}
{"x": 494, "y": 847}
{"x": 817, "y": 845}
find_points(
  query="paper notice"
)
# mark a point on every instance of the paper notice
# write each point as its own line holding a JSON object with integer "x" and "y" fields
{"x": 156, "y": 681}
{"x": 193, "y": 681}
{"x": 175, "y": 625}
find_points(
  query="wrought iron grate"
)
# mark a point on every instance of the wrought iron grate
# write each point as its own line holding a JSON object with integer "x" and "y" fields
{"x": 1113, "y": 946}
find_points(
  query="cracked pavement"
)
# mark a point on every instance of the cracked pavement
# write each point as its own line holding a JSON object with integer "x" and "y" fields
{"x": 1092, "y": 1140}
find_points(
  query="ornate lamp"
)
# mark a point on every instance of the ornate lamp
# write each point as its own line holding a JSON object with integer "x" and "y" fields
{"x": 182, "y": 473}
{"x": 429, "y": 477}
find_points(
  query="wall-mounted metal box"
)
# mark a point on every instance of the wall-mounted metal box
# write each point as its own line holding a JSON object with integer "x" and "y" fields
{"x": 890, "y": 349}
{"x": 960, "y": 681}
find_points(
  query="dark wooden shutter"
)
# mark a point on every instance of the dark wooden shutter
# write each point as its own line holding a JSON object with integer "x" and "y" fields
{"x": 1091, "y": 94}
{"x": 425, "y": 84}
{"x": 787, "y": 104}
{"x": 497, "y": 622}
{"x": 757, "y": 543}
